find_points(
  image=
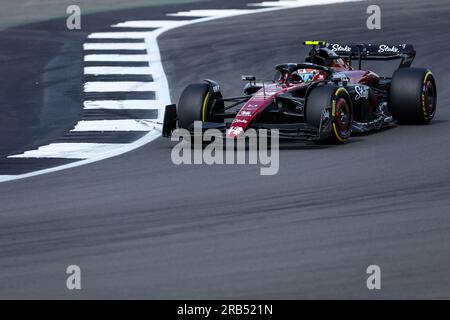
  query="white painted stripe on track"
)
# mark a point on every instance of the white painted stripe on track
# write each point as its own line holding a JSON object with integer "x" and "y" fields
{"x": 117, "y": 70}
{"x": 70, "y": 150}
{"x": 120, "y": 149}
{"x": 119, "y": 35}
{"x": 115, "y": 125}
{"x": 297, "y": 3}
{"x": 119, "y": 86}
{"x": 123, "y": 104}
{"x": 114, "y": 46}
{"x": 211, "y": 13}
{"x": 4, "y": 178}
{"x": 150, "y": 24}
{"x": 116, "y": 58}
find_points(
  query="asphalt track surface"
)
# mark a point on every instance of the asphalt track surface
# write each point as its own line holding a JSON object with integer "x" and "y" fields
{"x": 141, "y": 227}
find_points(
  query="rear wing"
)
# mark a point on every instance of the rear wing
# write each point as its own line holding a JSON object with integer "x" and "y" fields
{"x": 369, "y": 51}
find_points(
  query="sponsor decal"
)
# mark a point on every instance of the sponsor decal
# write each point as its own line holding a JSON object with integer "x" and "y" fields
{"x": 267, "y": 92}
{"x": 235, "y": 131}
{"x": 244, "y": 113}
{"x": 361, "y": 92}
{"x": 252, "y": 106}
{"x": 338, "y": 47}
{"x": 385, "y": 48}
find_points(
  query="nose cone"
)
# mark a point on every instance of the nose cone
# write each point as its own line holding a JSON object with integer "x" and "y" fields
{"x": 235, "y": 132}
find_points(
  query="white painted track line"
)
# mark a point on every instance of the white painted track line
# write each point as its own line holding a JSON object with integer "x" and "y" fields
{"x": 7, "y": 178}
{"x": 118, "y": 150}
{"x": 117, "y": 70}
{"x": 297, "y": 3}
{"x": 115, "y": 125}
{"x": 119, "y": 86}
{"x": 69, "y": 150}
{"x": 123, "y": 104}
{"x": 114, "y": 46}
{"x": 119, "y": 35}
{"x": 150, "y": 24}
{"x": 211, "y": 13}
{"x": 116, "y": 58}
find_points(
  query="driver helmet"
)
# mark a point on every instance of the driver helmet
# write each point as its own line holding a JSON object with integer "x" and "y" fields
{"x": 325, "y": 57}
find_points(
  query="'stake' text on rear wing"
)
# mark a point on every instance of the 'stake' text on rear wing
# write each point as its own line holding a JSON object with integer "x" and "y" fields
{"x": 370, "y": 51}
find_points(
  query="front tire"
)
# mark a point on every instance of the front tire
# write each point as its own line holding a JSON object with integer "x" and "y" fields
{"x": 413, "y": 96}
{"x": 194, "y": 105}
{"x": 337, "y": 101}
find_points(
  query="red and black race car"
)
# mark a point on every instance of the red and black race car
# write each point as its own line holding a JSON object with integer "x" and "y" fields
{"x": 324, "y": 99}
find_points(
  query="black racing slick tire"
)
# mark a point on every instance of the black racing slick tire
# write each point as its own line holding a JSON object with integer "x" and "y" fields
{"x": 413, "y": 96}
{"x": 337, "y": 102}
{"x": 194, "y": 105}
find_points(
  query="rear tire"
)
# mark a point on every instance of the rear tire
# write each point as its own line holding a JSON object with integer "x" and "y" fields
{"x": 338, "y": 102}
{"x": 194, "y": 105}
{"x": 413, "y": 96}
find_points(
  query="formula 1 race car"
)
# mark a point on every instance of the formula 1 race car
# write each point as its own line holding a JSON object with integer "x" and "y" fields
{"x": 323, "y": 99}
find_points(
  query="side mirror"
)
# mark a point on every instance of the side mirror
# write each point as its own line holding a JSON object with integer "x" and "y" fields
{"x": 248, "y": 78}
{"x": 343, "y": 79}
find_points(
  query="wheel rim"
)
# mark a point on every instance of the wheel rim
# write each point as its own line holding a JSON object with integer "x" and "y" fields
{"x": 342, "y": 116}
{"x": 430, "y": 98}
